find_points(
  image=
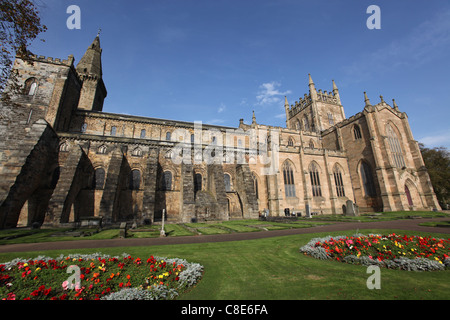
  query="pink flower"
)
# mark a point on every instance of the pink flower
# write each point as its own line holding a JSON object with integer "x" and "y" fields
{"x": 65, "y": 285}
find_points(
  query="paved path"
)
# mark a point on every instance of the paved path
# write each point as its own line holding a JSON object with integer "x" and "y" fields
{"x": 405, "y": 224}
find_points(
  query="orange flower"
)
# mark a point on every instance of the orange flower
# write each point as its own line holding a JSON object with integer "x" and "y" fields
{"x": 112, "y": 275}
{"x": 128, "y": 277}
{"x": 96, "y": 274}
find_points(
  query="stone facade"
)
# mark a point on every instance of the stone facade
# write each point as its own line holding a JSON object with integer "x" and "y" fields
{"x": 64, "y": 159}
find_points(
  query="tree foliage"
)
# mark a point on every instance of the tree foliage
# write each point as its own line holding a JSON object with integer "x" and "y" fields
{"x": 437, "y": 161}
{"x": 20, "y": 24}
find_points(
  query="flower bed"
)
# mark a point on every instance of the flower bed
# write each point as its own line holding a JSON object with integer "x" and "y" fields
{"x": 100, "y": 277}
{"x": 391, "y": 251}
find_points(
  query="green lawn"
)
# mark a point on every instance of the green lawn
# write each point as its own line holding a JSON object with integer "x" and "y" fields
{"x": 273, "y": 269}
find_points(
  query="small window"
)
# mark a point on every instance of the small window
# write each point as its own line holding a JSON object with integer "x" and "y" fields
{"x": 137, "y": 152}
{"x": 101, "y": 149}
{"x": 255, "y": 184}
{"x": 143, "y": 133}
{"x": 291, "y": 142}
{"x": 113, "y": 131}
{"x": 306, "y": 124}
{"x": 64, "y": 147}
{"x": 311, "y": 144}
{"x": 192, "y": 138}
{"x": 168, "y": 136}
{"x": 83, "y": 127}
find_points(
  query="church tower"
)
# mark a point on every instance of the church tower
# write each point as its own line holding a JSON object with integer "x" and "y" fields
{"x": 317, "y": 111}
{"x": 93, "y": 92}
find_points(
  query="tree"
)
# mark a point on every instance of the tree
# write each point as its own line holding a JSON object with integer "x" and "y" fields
{"x": 19, "y": 25}
{"x": 437, "y": 161}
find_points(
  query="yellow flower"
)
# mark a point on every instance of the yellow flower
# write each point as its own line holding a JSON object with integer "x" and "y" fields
{"x": 25, "y": 264}
{"x": 37, "y": 269}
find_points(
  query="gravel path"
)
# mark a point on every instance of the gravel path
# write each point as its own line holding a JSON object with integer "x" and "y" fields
{"x": 404, "y": 224}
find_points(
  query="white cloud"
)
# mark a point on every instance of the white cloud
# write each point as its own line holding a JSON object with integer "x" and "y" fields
{"x": 436, "y": 140}
{"x": 222, "y": 108}
{"x": 269, "y": 94}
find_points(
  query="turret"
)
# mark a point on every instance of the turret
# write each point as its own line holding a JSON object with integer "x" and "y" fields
{"x": 93, "y": 92}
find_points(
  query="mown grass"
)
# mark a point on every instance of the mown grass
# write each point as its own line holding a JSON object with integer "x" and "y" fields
{"x": 274, "y": 269}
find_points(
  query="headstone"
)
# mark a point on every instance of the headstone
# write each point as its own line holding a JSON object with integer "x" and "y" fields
{"x": 351, "y": 209}
{"x": 308, "y": 211}
{"x": 123, "y": 230}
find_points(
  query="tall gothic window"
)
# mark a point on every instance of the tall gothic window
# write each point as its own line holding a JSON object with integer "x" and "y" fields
{"x": 167, "y": 181}
{"x": 227, "y": 181}
{"x": 197, "y": 182}
{"x": 408, "y": 196}
{"x": 338, "y": 182}
{"x": 30, "y": 87}
{"x": 315, "y": 180}
{"x": 367, "y": 179}
{"x": 394, "y": 145}
{"x": 99, "y": 178}
{"x": 357, "y": 132}
{"x": 306, "y": 124}
{"x": 255, "y": 184}
{"x": 289, "y": 185}
{"x": 330, "y": 119}
{"x": 135, "y": 180}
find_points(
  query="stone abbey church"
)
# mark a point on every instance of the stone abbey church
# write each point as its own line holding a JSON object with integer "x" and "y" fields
{"x": 63, "y": 159}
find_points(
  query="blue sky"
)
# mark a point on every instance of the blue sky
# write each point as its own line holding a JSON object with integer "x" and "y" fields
{"x": 216, "y": 61}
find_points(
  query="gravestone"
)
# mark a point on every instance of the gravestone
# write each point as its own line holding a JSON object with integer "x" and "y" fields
{"x": 123, "y": 230}
{"x": 351, "y": 209}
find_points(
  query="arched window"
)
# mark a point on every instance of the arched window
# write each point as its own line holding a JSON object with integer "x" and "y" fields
{"x": 197, "y": 182}
{"x": 357, "y": 132}
{"x": 298, "y": 126}
{"x": 168, "y": 136}
{"x": 289, "y": 184}
{"x": 227, "y": 182}
{"x": 408, "y": 196}
{"x": 64, "y": 147}
{"x": 30, "y": 86}
{"x": 367, "y": 179}
{"x": 137, "y": 152}
{"x": 135, "y": 180}
{"x": 306, "y": 124}
{"x": 167, "y": 181}
{"x": 99, "y": 179}
{"x": 255, "y": 184}
{"x": 339, "y": 182}
{"x": 330, "y": 119}
{"x": 394, "y": 145}
{"x": 143, "y": 133}
{"x": 290, "y": 142}
{"x": 102, "y": 149}
{"x": 315, "y": 180}
{"x": 113, "y": 130}
{"x": 311, "y": 144}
